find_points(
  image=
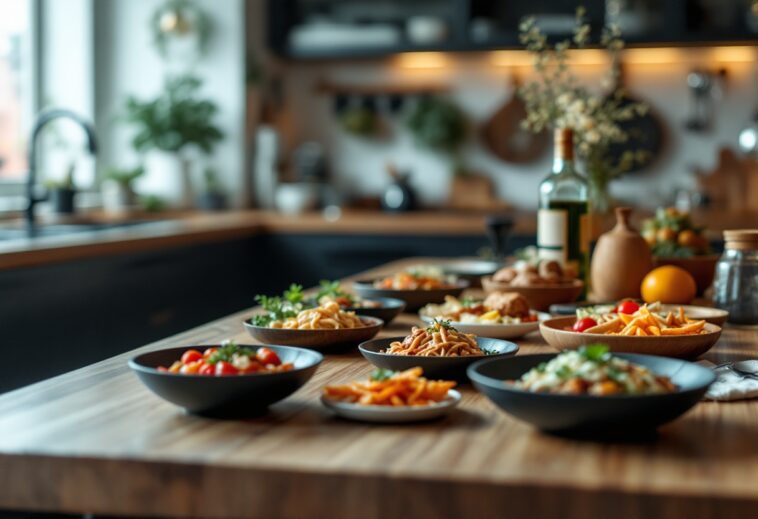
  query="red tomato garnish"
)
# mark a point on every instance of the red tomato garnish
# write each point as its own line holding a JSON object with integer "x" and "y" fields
{"x": 627, "y": 307}
{"x": 207, "y": 369}
{"x": 210, "y": 351}
{"x": 191, "y": 356}
{"x": 584, "y": 324}
{"x": 225, "y": 368}
{"x": 266, "y": 356}
{"x": 254, "y": 367}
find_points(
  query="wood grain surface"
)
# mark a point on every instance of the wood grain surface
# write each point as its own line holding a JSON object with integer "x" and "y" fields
{"x": 96, "y": 441}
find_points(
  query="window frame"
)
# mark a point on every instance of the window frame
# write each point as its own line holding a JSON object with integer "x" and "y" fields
{"x": 12, "y": 188}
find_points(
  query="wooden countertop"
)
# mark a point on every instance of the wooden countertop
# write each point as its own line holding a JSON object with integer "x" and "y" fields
{"x": 193, "y": 228}
{"x": 95, "y": 440}
{"x": 177, "y": 229}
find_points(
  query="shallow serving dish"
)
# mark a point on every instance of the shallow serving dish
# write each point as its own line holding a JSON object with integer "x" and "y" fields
{"x": 451, "y": 368}
{"x": 679, "y": 346}
{"x": 540, "y": 297}
{"x": 393, "y": 414}
{"x": 320, "y": 340}
{"x": 495, "y": 331}
{"x": 470, "y": 269}
{"x": 389, "y": 309}
{"x": 622, "y": 414}
{"x": 414, "y": 299}
{"x": 224, "y": 396}
{"x": 715, "y": 316}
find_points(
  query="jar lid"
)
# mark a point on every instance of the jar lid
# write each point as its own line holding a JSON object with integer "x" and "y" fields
{"x": 741, "y": 238}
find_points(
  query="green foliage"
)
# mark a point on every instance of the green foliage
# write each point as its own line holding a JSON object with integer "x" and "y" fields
{"x": 380, "y": 375}
{"x": 333, "y": 290}
{"x": 227, "y": 351}
{"x": 279, "y": 308}
{"x": 437, "y": 324}
{"x": 175, "y": 119}
{"x": 597, "y": 352}
{"x": 437, "y": 124}
{"x": 124, "y": 176}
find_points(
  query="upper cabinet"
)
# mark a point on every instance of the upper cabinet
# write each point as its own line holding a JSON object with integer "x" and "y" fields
{"x": 324, "y": 29}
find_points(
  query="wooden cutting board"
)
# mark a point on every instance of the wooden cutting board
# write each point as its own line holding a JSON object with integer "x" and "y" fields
{"x": 504, "y": 137}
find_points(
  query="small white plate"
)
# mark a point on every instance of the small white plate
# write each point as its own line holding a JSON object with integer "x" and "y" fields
{"x": 712, "y": 315}
{"x": 393, "y": 414}
{"x": 496, "y": 331}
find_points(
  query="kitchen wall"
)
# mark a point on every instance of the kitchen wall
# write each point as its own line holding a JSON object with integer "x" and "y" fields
{"x": 126, "y": 63}
{"x": 480, "y": 83}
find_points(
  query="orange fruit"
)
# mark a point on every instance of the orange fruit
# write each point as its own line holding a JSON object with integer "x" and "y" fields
{"x": 688, "y": 238}
{"x": 668, "y": 284}
{"x": 666, "y": 234}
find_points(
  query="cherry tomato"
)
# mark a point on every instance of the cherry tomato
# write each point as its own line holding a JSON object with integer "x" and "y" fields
{"x": 584, "y": 324}
{"x": 163, "y": 369}
{"x": 225, "y": 368}
{"x": 191, "y": 368}
{"x": 206, "y": 369}
{"x": 627, "y": 307}
{"x": 210, "y": 351}
{"x": 191, "y": 356}
{"x": 254, "y": 367}
{"x": 267, "y": 356}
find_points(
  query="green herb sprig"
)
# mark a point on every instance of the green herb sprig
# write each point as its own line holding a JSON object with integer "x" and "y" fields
{"x": 227, "y": 351}
{"x": 597, "y": 352}
{"x": 380, "y": 375}
{"x": 436, "y": 324}
{"x": 279, "y": 308}
{"x": 333, "y": 290}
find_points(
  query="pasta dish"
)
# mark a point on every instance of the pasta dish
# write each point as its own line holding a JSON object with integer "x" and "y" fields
{"x": 497, "y": 308}
{"x": 418, "y": 278}
{"x": 438, "y": 340}
{"x": 325, "y": 317}
{"x": 405, "y": 388}
{"x": 593, "y": 371}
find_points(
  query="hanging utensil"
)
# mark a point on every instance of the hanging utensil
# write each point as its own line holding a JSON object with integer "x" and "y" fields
{"x": 504, "y": 136}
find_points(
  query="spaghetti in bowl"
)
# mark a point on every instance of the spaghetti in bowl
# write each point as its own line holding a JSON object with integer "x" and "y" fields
{"x": 441, "y": 352}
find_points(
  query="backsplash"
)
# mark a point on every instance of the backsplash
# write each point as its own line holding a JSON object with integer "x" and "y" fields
{"x": 657, "y": 76}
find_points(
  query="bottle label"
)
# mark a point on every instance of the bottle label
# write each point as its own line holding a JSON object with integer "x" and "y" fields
{"x": 552, "y": 234}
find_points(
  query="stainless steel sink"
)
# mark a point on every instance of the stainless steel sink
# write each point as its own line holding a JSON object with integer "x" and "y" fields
{"x": 16, "y": 232}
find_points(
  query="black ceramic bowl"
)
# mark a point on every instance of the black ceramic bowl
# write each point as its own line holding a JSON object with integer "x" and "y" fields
{"x": 434, "y": 367}
{"x": 592, "y": 415}
{"x": 326, "y": 340}
{"x": 389, "y": 309}
{"x": 224, "y": 396}
{"x": 414, "y": 299}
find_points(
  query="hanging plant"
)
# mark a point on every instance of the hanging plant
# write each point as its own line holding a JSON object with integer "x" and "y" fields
{"x": 179, "y": 19}
{"x": 438, "y": 124}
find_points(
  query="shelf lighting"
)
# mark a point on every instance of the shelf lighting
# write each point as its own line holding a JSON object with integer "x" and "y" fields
{"x": 638, "y": 56}
{"x": 422, "y": 60}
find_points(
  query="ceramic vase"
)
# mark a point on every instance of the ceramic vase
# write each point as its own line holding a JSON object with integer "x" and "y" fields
{"x": 621, "y": 260}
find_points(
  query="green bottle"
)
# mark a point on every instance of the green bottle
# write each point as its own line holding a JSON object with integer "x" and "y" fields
{"x": 563, "y": 225}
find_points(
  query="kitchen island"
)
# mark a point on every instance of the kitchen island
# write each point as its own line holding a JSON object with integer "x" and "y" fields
{"x": 96, "y": 441}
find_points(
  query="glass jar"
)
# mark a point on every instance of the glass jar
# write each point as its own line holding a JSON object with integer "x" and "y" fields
{"x": 735, "y": 287}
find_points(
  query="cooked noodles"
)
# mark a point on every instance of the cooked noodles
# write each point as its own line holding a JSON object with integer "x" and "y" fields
{"x": 325, "y": 317}
{"x": 438, "y": 340}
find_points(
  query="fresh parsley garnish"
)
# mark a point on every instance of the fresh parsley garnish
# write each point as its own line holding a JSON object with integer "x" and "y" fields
{"x": 468, "y": 302}
{"x": 279, "y": 308}
{"x": 226, "y": 351}
{"x": 333, "y": 290}
{"x": 596, "y": 352}
{"x": 380, "y": 375}
{"x": 436, "y": 324}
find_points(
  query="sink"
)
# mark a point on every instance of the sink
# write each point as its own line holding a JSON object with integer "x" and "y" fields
{"x": 16, "y": 232}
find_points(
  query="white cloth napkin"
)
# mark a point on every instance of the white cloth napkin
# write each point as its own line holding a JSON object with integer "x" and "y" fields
{"x": 730, "y": 385}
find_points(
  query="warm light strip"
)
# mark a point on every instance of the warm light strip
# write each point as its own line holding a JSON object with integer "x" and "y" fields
{"x": 422, "y": 60}
{"x": 638, "y": 56}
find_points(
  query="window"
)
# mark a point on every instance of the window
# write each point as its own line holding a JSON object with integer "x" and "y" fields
{"x": 16, "y": 86}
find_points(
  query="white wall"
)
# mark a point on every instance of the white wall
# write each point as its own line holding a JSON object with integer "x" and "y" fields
{"x": 480, "y": 87}
{"x": 126, "y": 63}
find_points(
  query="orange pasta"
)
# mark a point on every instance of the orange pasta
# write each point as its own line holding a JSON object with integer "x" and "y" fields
{"x": 325, "y": 317}
{"x": 438, "y": 340}
{"x": 405, "y": 388}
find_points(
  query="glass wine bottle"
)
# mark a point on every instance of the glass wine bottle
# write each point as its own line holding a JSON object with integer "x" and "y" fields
{"x": 562, "y": 219}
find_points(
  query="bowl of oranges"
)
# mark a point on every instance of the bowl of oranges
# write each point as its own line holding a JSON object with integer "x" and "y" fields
{"x": 675, "y": 240}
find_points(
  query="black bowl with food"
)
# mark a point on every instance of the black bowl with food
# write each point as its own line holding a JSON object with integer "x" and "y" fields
{"x": 440, "y": 367}
{"x": 414, "y": 299}
{"x": 228, "y": 395}
{"x": 384, "y": 308}
{"x": 591, "y": 414}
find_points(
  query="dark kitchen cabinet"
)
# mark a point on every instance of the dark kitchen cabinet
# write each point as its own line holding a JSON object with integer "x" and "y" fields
{"x": 59, "y": 317}
{"x": 332, "y": 29}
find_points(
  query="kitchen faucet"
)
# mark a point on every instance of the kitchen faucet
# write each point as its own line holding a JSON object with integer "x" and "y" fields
{"x": 42, "y": 120}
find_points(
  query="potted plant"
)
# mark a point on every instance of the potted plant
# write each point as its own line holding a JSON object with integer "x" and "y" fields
{"x": 118, "y": 193}
{"x": 213, "y": 197}
{"x": 169, "y": 125}
{"x": 62, "y": 192}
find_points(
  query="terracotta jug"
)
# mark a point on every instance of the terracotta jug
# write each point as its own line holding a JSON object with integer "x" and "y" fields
{"x": 621, "y": 260}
